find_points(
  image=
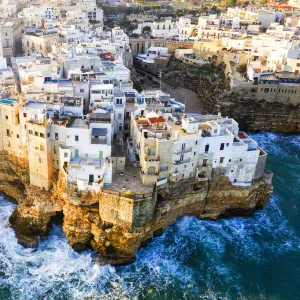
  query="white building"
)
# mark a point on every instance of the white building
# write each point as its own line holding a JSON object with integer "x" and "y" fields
{"x": 171, "y": 152}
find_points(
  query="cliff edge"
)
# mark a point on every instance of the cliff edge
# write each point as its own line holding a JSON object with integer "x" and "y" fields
{"x": 117, "y": 224}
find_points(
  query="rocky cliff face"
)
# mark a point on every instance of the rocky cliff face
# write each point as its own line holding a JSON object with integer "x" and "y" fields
{"x": 252, "y": 112}
{"x": 118, "y": 243}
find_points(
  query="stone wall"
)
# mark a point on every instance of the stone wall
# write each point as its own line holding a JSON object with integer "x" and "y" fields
{"x": 142, "y": 45}
{"x": 127, "y": 210}
{"x": 260, "y": 167}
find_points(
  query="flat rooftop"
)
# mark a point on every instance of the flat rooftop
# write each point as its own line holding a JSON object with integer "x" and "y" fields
{"x": 181, "y": 134}
{"x": 35, "y": 105}
{"x": 8, "y": 102}
{"x": 79, "y": 123}
{"x": 130, "y": 181}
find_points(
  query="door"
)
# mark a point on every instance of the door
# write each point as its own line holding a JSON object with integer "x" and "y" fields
{"x": 101, "y": 154}
{"x": 76, "y": 153}
{"x": 91, "y": 178}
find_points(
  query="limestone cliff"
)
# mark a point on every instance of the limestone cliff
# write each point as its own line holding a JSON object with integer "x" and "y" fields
{"x": 117, "y": 225}
{"x": 251, "y": 109}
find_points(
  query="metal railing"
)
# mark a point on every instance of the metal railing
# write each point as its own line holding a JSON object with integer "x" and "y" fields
{"x": 163, "y": 169}
{"x": 181, "y": 162}
{"x": 98, "y": 141}
{"x": 182, "y": 151}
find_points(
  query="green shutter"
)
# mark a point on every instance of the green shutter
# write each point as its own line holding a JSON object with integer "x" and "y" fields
{"x": 100, "y": 154}
{"x": 91, "y": 178}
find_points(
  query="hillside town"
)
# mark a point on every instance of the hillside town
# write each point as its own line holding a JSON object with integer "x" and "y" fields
{"x": 72, "y": 111}
{"x": 68, "y": 104}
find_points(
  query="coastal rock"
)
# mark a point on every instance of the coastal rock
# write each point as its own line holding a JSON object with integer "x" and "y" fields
{"x": 246, "y": 105}
{"x": 125, "y": 225}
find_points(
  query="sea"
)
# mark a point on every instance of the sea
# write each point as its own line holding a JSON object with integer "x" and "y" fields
{"x": 238, "y": 258}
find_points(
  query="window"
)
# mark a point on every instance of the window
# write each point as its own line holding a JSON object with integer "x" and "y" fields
{"x": 36, "y": 133}
{"x": 18, "y": 136}
{"x": 298, "y": 64}
{"x": 54, "y": 149}
{"x": 7, "y": 132}
{"x": 222, "y": 146}
{"x": 196, "y": 143}
{"x": 119, "y": 116}
{"x": 183, "y": 146}
{"x": 76, "y": 138}
{"x": 120, "y": 127}
{"x": 81, "y": 90}
{"x": 65, "y": 154}
{"x": 24, "y": 115}
{"x": 194, "y": 153}
{"x": 227, "y": 145}
{"x": 229, "y": 160}
{"x": 40, "y": 160}
{"x": 221, "y": 160}
{"x": 42, "y": 148}
{"x": 30, "y": 131}
{"x": 215, "y": 130}
{"x": 42, "y": 135}
{"x": 206, "y": 148}
{"x": 266, "y": 90}
{"x": 56, "y": 136}
{"x": 204, "y": 163}
{"x": 6, "y": 117}
{"x": 48, "y": 134}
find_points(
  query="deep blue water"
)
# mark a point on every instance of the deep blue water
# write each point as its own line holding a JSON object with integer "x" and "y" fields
{"x": 256, "y": 258}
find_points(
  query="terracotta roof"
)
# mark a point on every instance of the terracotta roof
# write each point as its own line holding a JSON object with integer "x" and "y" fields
{"x": 160, "y": 119}
{"x": 142, "y": 121}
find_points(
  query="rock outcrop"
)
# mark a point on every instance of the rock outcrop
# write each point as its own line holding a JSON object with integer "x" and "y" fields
{"x": 117, "y": 239}
{"x": 246, "y": 106}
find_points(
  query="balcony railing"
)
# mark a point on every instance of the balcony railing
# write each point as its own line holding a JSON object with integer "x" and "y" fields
{"x": 181, "y": 162}
{"x": 161, "y": 169}
{"x": 182, "y": 151}
{"x": 98, "y": 141}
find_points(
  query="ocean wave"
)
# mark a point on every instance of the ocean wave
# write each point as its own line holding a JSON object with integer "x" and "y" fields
{"x": 237, "y": 258}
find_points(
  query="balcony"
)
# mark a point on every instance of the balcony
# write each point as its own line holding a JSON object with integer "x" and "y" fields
{"x": 162, "y": 181}
{"x": 96, "y": 141}
{"x": 162, "y": 169}
{"x": 181, "y": 162}
{"x": 182, "y": 151}
{"x": 151, "y": 157}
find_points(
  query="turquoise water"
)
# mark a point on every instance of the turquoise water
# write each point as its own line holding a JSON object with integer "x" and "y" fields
{"x": 257, "y": 258}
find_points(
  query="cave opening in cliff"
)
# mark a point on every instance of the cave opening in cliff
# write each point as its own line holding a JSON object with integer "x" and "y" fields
{"x": 58, "y": 218}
